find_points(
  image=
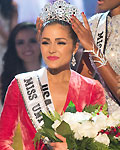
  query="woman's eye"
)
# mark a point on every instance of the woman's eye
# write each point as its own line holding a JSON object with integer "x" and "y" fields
{"x": 33, "y": 40}
{"x": 19, "y": 42}
{"x": 63, "y": 43}
{"x": 45, "y": 42}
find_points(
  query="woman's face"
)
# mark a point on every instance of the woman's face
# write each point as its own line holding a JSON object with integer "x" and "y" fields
{"x": 27, "y": 47}
{"x": 108, "y": 4}
{"x": 56, "y": 46}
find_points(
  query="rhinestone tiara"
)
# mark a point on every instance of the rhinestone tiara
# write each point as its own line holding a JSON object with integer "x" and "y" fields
{"x": 59, "y": 10}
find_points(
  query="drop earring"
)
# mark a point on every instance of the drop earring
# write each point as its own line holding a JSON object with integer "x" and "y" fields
{"x": 73, "y": 62}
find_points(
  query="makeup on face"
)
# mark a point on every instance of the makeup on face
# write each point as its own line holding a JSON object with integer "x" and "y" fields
{"x": 53, "y": 58}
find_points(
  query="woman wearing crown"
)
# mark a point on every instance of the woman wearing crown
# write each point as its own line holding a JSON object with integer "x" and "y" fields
{"x": 52, "y": 88}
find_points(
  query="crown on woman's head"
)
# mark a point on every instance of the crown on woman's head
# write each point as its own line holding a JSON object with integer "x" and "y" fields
{"x": 59, "y": 10}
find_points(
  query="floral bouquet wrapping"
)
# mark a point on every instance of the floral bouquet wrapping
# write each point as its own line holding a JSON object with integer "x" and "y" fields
{"x": 91, "y": 129}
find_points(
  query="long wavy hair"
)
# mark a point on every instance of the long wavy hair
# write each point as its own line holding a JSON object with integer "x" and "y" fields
{"x": 12, "y": 63}
{"x": 7, "y": 8}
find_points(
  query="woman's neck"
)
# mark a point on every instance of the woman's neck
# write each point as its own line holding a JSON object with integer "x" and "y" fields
{"x": 58, "y": 75}
{"x": 115, "y": 11}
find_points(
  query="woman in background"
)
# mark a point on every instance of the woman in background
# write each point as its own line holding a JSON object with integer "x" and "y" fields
{"x": 22, "y": 55}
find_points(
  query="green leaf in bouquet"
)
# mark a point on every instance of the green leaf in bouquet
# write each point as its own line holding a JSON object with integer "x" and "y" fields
{"x": 42, "y": 133}
{"x": 45, "y": 132}
{"x": 47, "y": 121}
{"x": 50, "y": 133}
{"x": 94, "y": 109}
{"x": 91, "y": 108}
{"x": 65, "y": 130}
{"x": 71, "y": 142}
{"x": 55, "y": 116}
{"x": 99, "y": 146}
{"x": 89, "y": 144}
{"x": 105, "y": 109}
{"x": 71, "y": 107}
{"x": 114, "y": 143}
{"x": 36, "y": 138}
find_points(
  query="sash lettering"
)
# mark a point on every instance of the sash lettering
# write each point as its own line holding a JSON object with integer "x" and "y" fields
{"x": 30, "y": 88}
{"x": 100, "y": 32}
{"x": 36, "y": 95}
{"x": 46, "y": 94}
{"x": 100, "y": 40}
{"x": 37, "y": 112}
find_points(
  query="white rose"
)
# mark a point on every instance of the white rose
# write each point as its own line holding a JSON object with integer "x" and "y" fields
{"x": 75, "y": 128}
{"x": 87, "y": 129}
{"x": 112, "y": 122}
{"x": 116, "y": 115}
{"x": 82, "y": 116}
{"x": 103, "y": 138}
{"x": 100, "y": 121}
{"x": 78, "y": 136}
{"x": 75, "y": 117}
{"x": 68, "y": 117}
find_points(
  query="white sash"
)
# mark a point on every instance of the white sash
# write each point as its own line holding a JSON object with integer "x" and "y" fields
{"x": 100, "y": 39}
{"x": 36, "y": 95}
{"x": 100, "y": 36}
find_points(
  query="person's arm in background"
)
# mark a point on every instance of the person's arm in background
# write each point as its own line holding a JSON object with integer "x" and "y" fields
{"x": 13, "y": 23}
{"x": 86, "y": 39}
{"x": 84, "y": 67}
{"x": 118, "y": 86}
{"x": 14, "y": 19}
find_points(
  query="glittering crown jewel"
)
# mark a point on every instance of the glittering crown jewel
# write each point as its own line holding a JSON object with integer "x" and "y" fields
{"x": 59, "y": 10}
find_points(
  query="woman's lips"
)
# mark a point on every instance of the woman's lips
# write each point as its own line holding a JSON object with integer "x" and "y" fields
{"x": 100, "y": 2}
{"x": 52, "y": 58}
{"x": 28, "y": 53}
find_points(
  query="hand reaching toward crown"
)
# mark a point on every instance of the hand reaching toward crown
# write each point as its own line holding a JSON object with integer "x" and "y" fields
{"x": 39, "y": 24}
{"x": 83, "y": 32}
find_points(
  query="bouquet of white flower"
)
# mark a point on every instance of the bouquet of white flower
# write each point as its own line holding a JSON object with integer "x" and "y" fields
{"x": 91, "y": 129}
